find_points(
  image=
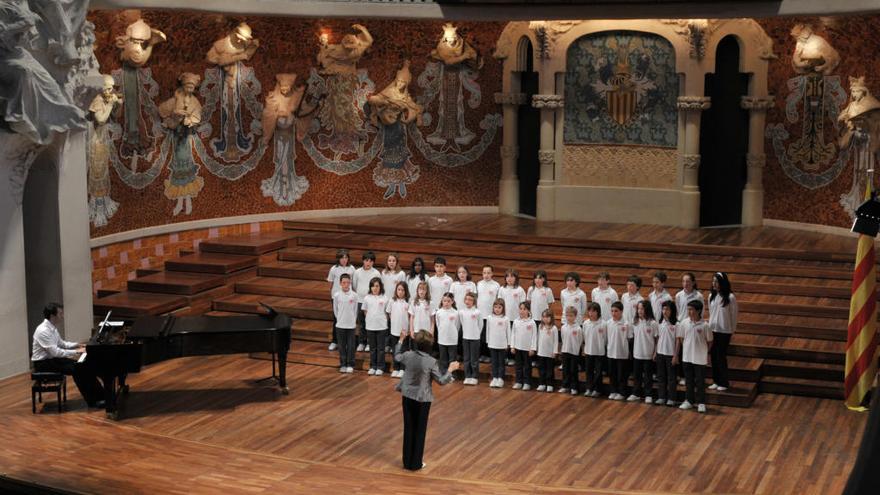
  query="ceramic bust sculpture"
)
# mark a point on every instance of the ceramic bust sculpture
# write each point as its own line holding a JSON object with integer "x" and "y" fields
{"x": 812, "y": 53}
{"x": 181, "y": 114}
{"x": 101, "y": 206}
{"x": 452, "y": 49}
{"x": 861, "y": 113}
{"x": 279, "y": 127}
{"x": 135, "y": 50}
{"x": 136, "y": 45}
{"x": 237, "y": 46}
{"x": 342, "y": 58}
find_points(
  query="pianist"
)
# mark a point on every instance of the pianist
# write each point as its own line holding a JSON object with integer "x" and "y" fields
{"x": 51, "y": 353}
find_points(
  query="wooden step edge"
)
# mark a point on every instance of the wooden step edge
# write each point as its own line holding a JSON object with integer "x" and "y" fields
{"x": 817, "y": 388}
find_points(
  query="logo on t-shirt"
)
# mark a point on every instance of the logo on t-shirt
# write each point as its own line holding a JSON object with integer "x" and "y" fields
{"x": 451, "y": 318}
{"x": 529, "y": 327}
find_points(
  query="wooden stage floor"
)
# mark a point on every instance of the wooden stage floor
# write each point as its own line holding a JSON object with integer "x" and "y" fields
{"x": 201, "y": 425}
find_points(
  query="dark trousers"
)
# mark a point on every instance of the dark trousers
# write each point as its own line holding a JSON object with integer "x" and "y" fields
{"x": 447, "y": 355}
{"x": 570, "y": 371}
{"x": 484, "y": 344}
{"x": 83, "y": 375}
{"x": 545, "y": 365}
{"x": 642, "y": 371}
{"x": 666, "y": 380}
{"x": 695, "y": 383}
{"x": 471, "y": 358}
{"x": 361, "y": 325}
{"x": 347, "y": 345}
{"x": 719, "y": 358}
{"x": 499, "y": 360}
{"x": 617, "y": 372}
{"x": 594, "y": 372}
{"x": 415, "y": 427}
{"x": 376, "y": 341}
{"x": 333, "y": 331}
{"x": 523, "y": 366}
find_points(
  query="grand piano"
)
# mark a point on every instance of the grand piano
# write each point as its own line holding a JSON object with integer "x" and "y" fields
{"x": 152, "y": 339}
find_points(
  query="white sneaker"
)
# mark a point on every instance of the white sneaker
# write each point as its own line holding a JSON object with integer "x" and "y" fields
{"x": 574, "y": 391}
{"x": 379, "y": 372}
{"x": 541, "y": 388}
{"x": 633, "y": 398}
{"x": 511, "y": 362}
{"x": 360, "y": 348}
{"x": 595, "y": 393}
{"x": 670, "y": 402}
{"x": 648, "y": 400}
{"x": 685, "y": 406}
{"x": 474, "y": 381}
{"x": 721, "y": 389}
{"x": 588, "y": 393}
{"x": 560, "y": 367}
{"x": 332, "y": 346}
{"x": 549, "y": 389}
{"x": 713, "y": 387}
{"x": 612, "y": 397}
{"x": 563, "y": 390}
{"x": 526, "y": 387}
{"x": 701, "y": 408}
{"x": 400, "y": 374}
{"x": 342, "y": 369}
{"x": 681, "y": 382}
{"x": 371, "y": 372}
{"x": 619, "y": 397}
{"x": 349, "y": 369}
{"x": 367, "y": 348}
{"x": 499, "y": 383}
{"x": 517, "y": 386}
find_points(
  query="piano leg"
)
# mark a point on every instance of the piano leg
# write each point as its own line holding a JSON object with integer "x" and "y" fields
{"x": 282, "y": 372}
{"x": 110, "y": 396}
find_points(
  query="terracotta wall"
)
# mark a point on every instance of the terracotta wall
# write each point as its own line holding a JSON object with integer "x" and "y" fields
{"x": 291, "y": 45}
{"x": 802, "y": 193}
{"x": 115, "y": 264}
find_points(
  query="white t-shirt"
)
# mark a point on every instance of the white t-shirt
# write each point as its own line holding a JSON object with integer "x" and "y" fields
{"x": 460, "y": 289}
{"x": 512, "y": 297}
{"x": 682, "y": 299}
{"x": 390, "y": 279}
{"x": 345, "y": 309}
{"x": 572, "y": 339}
{"x": 413, "y": 284}
{"x": 657, "y": 303}
{"x": 336, "y": 271}
{"x": 471, "y": 323}
{"x": 629, "y": 306}
{"x": 576, "y": 298}
{"x": 438, "y": 286}
{"x": 487, "y": 292}
{"x": 498, "y": 332}
{"x": 595, "y": 337}
{"x": 645, "y": 339}
{"x": 540, "y": 300}
{"x": 548, "y": 341}
{"x": 360, "y": 281}
{"x": 524, "y": 335}
{"x": 421, "y": 315}
{"x": 374, "y": 307}
{"x": 619, "y": 333}
{"x": 447, "y": 326}
{"x": 604, "y": 298}
{"x": 695, "y": 342}
{"x": 398, "y": 310}
{"x": 666, "y": 342}
{"x": 722, "y": 319}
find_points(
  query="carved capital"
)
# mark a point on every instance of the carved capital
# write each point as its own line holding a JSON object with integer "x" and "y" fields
{"x": 510, "y": 98}
{"x": 756, "y": 103}
{"x": 546, "y": 157}
{"x": 509, "y": 152}
{"x": 755, "y": 160}
{"x": 548, "y": 101}
{"x": 694, "y": 103}
{"x": 690, "y": 162}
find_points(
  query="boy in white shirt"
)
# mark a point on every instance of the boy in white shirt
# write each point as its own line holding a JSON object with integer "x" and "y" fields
{"x": 603, "y": 294}
{"x": 619, "y": 335}
{"x": 631, "y": 298}
{"x": 572, "y": 341}
{"x": 360, "y": 282}
{"x": 573, "y": 296}
{"x": 695, "y": 340}
{"x": 343, "y": 265}
{"x": 439, "y": 283}
{"x": 659, "y": 294}
{"x": 345, "y": 310}
{"x": 471, "y": 324}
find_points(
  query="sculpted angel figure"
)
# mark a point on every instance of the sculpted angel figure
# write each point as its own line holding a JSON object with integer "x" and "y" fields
{"x": 812, "y": 53}
{"x": 135, "y": 50}
{"x": 181, "y": 114}
{"x": 279, "y": 128}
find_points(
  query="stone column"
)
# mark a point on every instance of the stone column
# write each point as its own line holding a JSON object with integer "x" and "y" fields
{"x": 546, "y": 204}
{"x": 508, "y": 186}
{"x": 753, "y": 192}
{"x": 691, "y": 108}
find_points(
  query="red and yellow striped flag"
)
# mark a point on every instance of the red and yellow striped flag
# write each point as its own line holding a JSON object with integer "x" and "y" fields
{"x": 861, "y": 345}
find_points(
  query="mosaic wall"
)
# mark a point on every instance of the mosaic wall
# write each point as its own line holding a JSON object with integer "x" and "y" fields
{"x": 221, "y": 119}
{"x": 115, "y": 264}
{"x": 621, "y": 88}
{"x": 809, "y": 177}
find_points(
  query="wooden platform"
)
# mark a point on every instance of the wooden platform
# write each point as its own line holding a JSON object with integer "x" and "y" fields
{"x": 202, "y": 425}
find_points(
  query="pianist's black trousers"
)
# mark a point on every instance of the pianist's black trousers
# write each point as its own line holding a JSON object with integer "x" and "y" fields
{"x": 83, "y": 375}
{"x": 415, "y": 427}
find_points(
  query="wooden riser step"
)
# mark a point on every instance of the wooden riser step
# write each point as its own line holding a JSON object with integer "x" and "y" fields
{"x": 285, "y": 287}
{"x": 181, "y": 283}
{"x": 211, "y": 263}
{"x": 788, "y": 354}
{"x": 804, "y": 370}
{"x": 802, "y": 387}
{"x": 297, "y": 308}
{"x": 133, "y": 304}
{"x": 250, "y": 244}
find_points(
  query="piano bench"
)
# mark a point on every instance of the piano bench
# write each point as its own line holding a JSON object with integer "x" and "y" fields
{"x": 48, "y": 382}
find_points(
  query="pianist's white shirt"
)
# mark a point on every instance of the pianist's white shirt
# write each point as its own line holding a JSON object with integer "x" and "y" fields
{"x": 48, "y": 343}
